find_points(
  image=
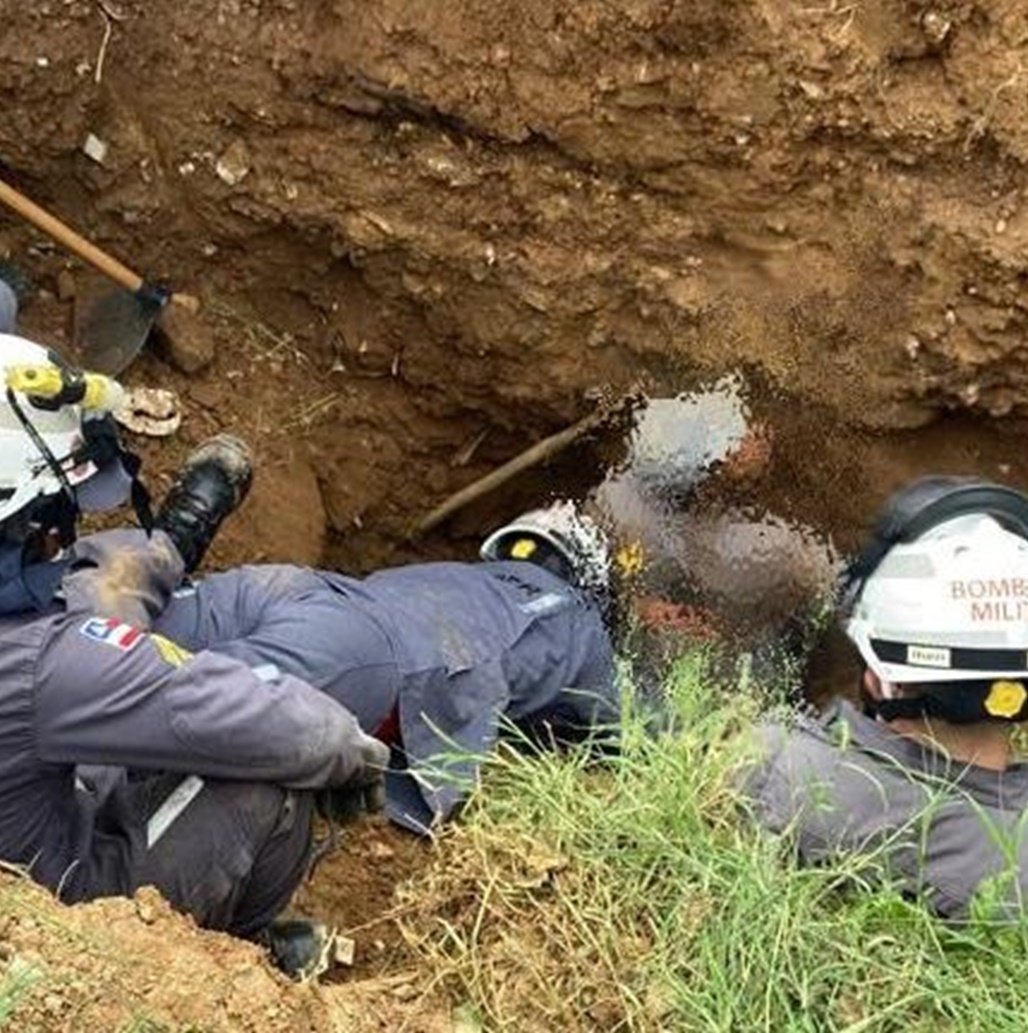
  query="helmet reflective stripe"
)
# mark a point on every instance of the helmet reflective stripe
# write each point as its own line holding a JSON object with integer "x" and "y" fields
{"x": 950, "y": 606}
{"x": 940, "y": 658}
{"x": 25, "y": 475}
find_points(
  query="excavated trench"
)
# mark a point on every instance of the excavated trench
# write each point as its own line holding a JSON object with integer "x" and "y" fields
{"x": 431, "y": 234}
{"x": 428, "y": 235}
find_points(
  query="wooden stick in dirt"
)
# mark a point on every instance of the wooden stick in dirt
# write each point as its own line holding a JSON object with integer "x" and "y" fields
{"x": 538, "y": 453}
{"x": 78, "y": 245}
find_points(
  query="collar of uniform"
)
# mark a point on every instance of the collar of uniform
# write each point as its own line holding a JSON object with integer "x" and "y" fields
{"x": 1003, "y": 789}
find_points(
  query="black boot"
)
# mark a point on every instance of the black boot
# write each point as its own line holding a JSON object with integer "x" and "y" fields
{"x": 212, "y": 484}
{"x": 298, "y": 947}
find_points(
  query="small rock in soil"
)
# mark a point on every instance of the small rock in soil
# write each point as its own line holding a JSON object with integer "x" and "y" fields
{"x": 186, "y": 339}
{"x": 936, "y": 27}
{"x": 344, "y": 951}
{"x": 66, "y": 289}
{"x": 234, "y": 165}
{"x": 95, "y": 149}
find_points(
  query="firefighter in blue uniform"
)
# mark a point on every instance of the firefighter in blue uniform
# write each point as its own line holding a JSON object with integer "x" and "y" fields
{"x": 435, "y": 659}
{"x": 177, "y": 736}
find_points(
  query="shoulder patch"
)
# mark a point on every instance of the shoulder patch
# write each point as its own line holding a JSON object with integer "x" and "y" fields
{"x": 170, "y": 652}
{"x": 111, "y": 632}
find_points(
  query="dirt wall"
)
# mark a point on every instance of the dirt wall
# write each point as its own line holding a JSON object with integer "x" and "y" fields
{"x": 468, "y": 215}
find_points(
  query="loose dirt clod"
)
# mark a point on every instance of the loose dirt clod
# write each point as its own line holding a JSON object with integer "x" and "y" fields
{"x": 234, "y": 165}
{"x": 187, "y": 340}
{"x": 102, "y": 966}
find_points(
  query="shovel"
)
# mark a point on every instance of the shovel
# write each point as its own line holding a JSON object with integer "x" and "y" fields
{"x": 116, "y": 328}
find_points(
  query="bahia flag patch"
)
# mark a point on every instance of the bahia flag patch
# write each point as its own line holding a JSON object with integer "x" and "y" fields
{"x": 111, "y": 632}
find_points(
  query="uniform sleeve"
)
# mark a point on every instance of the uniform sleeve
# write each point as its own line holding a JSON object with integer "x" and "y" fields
{"x": 122, "y": 574}
{"x": 109, "y": 694}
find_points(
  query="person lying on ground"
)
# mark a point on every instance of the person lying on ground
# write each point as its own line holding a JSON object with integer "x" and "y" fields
{"x": 434, "y": 659}
{"x": 924, "y": 778}
{"x": 190, "y": 762}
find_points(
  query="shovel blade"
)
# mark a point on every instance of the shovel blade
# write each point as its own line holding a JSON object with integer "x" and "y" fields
{"x": 115, "y": 329}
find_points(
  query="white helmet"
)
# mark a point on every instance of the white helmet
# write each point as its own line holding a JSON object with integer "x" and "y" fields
{"x": 950, "y": 606}
{"x": 27, "y": 474}
{"x": 577, "y": 539}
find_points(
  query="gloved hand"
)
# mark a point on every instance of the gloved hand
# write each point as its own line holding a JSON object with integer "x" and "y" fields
{"x": 365, "y": 792}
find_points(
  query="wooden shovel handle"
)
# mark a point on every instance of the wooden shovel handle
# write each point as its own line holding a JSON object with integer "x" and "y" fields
{"x": 78, "y": 245}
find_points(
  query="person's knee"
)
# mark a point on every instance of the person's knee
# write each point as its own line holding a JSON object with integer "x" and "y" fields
{"x": 234, "y": 855}
{"x": 279, "y": 865}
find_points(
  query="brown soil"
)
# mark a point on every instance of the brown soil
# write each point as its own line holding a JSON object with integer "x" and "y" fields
{"x": 449, "y": 225}
{"x": 354, "y": 889}
{"x": 136, "y": 965}
{"x": 460, "y": 220}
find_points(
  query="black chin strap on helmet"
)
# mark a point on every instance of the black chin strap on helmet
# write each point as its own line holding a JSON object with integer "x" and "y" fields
{"x": 911, "y": 708}
{"x": 102, "y": 446}
{"x": 69, "y": 512}
{"x": 958, "y": 703}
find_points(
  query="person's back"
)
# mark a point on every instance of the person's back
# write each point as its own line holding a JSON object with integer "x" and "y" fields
{"x": 924, "y": 783}
{"x": 434, "y": 658}
{"x": 941, "y": 830}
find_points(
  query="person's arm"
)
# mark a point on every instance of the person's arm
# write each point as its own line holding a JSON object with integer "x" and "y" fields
{"x": 122, "y": 574}
{"x": 109, "y": 694}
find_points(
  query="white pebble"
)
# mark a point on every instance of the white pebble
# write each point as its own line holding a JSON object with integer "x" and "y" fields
{"x": 95, "y": 148}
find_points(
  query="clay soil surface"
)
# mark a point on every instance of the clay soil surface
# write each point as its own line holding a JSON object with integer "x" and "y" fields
{"x": 135, "y": 965}
{"x": 428, "y": 234}
{"x": 354, "y": 890}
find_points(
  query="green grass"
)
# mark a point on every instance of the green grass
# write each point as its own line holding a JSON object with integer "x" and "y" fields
{"x": 636, "y": 898}
{"x": 19, "y": 978}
